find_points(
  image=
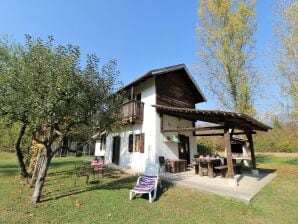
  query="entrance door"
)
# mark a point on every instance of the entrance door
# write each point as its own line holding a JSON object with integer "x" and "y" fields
{"x": 183, "y": 148}
{"x": 116, "y": 150}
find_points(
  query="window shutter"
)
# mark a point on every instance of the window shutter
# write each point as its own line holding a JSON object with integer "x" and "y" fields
{"x": 142, "y": 142}
{"x": 130, "y": 143}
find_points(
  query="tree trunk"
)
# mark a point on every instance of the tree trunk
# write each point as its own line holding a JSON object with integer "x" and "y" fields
{"x": 41, "y": 179}
{"x": 19, "y": 152}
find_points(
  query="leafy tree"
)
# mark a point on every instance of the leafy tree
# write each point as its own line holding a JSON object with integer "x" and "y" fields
{"x": 62, "y": 95}
{"x": 282, "y": 138}
{"x": 15, "y": 97}
{"x": 226, "y": 30}
{"x": 286, "y": 29}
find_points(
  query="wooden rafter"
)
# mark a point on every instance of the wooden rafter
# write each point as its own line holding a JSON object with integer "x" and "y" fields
{"x": 193, "y": 129}
{"x": 222, "y": 134}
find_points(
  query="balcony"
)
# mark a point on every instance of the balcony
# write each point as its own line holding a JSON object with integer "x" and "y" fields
{"x": 132, "y": 112}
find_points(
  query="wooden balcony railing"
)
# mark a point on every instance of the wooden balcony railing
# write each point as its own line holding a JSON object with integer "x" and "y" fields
{"x": 132, "y": 111}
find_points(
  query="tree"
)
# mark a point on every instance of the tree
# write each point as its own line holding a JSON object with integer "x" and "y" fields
{"x": 64, "y": 96}
{"x": 8, "y": 136}
{"x": 15, "y": 97}
{"x": 286, "y": 30}
{"x": 225, "y": 32}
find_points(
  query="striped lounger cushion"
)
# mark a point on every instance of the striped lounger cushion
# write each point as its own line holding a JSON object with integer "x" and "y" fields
{"x": 146, "y": 184}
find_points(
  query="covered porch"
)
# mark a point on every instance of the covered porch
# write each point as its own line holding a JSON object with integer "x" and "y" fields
{"x": 227, "y": 124}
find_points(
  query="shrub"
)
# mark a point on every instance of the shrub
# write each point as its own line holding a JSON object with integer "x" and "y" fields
{"x": 282, "y": 138}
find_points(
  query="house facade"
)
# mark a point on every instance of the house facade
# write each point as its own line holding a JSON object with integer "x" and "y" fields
{"x": 141, "y": 140}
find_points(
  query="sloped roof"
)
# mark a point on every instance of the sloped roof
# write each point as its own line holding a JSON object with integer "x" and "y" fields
{"x": 231, "y": 119}
{"x": 165, "y": 70}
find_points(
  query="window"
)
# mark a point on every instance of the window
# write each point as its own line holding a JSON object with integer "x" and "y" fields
{"x": 136, "y": 143}
{"x": 139, "y": 97}
{"x": 130, "y": 143}
{"x": 139, "y": 143}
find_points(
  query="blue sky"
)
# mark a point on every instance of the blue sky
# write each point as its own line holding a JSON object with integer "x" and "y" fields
{"x": 140, "y": 34}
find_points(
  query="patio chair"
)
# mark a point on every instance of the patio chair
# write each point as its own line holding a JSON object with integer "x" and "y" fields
{"x": 81, "y": 171}
{"x": 164, "y": 165}
{"x": 147, "y": 183}
{"x": 97, "y": 166}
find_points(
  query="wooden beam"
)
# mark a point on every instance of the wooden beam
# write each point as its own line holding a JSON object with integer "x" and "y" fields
{"x": 210, "y": 134}
{"x": 227, "y": 136}
{"x": 194, "y": 129}
{"x": 252, "y": 150}
{"x": 193, "y": 125}
{"x": 222, "y": 134}
{"x": 243, "y": 133}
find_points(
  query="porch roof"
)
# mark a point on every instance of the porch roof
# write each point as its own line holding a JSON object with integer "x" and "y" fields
{"x": 239, "y": 121}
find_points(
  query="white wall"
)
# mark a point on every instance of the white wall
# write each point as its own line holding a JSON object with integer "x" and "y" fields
{"x": 154, "y": 139}
{"x": 97, "y": 151}
{"x": 170, "y": 149}
{"x": 137, "y": 160}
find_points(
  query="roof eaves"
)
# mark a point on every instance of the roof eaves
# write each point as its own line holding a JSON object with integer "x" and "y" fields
{"x": 241, "y": 116}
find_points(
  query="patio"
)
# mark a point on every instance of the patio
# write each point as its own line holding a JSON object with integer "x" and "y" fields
{"x": 243, "y": 187}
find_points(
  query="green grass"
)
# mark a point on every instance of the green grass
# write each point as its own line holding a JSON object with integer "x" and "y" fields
{"x": 107, "y": 201}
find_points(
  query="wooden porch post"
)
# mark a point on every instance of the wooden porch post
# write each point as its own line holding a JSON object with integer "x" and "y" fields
{"x": 230, "y": 173}
{"x": 252, "y": 150}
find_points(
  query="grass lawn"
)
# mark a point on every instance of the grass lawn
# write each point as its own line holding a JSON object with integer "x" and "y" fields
{"x": 107, "y": 201}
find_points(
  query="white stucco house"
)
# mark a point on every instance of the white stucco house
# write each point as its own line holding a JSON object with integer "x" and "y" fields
{"x": 158, "y": 120}
{"x": 141, "y": 140}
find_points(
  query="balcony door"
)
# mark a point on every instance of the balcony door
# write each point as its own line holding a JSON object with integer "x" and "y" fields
{"x": 116, "y": 150}
{"x": 183, "y": 148}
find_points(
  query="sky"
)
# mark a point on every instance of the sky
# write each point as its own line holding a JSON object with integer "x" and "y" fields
{"x": 140, "y": 34}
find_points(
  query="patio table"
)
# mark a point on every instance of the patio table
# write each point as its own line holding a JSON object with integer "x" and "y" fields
{"x": 209, "y": 165}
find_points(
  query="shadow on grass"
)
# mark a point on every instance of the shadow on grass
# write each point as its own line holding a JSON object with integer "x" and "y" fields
{"x": 114, "y": 183}
{"x": 161, "y": 191}
{"x": 9, "y": 172}
{"x": 126, "y": 183}
{"x": 8, "y": 169}
{"x": 60, "y": 173}
{"x": 61, "y": 163}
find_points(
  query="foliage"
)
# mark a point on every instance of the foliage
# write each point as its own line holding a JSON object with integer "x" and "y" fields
{"x": 44, "y": 85}
{"x": 226, "y": 29}
{"x": 205, "y": 146}
{"x": 65, "y": 203}
{"x": 8, "y": 135}
{"x": 54, "y": 94}
{"x": 208, "y": 145}
{"x": 282, "y": 138}
{"x": 286, "y": 29}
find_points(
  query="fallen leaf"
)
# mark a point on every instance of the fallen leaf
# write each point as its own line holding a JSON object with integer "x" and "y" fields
{"x": 78, "y": 203}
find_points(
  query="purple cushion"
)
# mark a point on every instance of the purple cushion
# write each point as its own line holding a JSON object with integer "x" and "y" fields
{"x": 146, "y": 184}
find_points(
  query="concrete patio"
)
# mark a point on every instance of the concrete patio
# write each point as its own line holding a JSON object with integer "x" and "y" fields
{"x": 243, "y": 188}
